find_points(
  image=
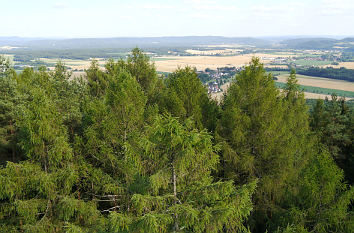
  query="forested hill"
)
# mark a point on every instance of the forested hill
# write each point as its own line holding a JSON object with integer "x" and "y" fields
{"x": 127, "y": 42}
{"x": 128, "y": 151}
{"x": 304, "y": 42}
{"x": 320, "y": 43}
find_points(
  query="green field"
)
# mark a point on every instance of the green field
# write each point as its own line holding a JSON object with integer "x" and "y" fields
{"x": 303, "y": 62}
{"x": 161, "y": 59}
{"x": 320, "y": 90}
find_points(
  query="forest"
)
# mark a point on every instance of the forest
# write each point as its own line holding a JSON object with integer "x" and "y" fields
{"x": 126, "y": 150}
{"x": 329, "y": 72}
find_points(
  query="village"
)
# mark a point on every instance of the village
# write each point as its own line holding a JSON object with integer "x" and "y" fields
{"x": 214, "y": 79}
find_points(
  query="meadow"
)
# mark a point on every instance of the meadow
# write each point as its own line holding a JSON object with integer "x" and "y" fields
{"x": 304, "y": 62}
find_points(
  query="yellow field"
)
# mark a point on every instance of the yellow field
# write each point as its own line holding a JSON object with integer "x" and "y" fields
{"x": 277, "y": 66}
{"x": 225, "y": 46}
{"x": 203, "y": 62}
{"x": 74, "y": 64}
{"x": 318, "y": 96}
{"x": 320, "y": 82}
{"x": 348, "y": 65}
{"x": 213, "y": 52}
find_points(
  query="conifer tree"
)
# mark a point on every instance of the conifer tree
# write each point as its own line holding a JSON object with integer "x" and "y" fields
{"x": 332, "y": 121}
{"x": 96, "y": 79}
{"x": 113, "y": 121}
{"x": 40, "y": 194}
{"x": 186, "y": 96}
{"x": 8, "y": 101}
{"x": 263, "y": 137}
{"x": 178, "y": 193}
{"x": 320, "y": 200}
{"x": 139, "y": 66}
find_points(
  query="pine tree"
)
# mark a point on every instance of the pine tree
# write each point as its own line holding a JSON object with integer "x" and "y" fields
{"x": 174, "y": 191}
{"x": 112, "y": 121}
{"x": 332, "y": 122}
{"x": 139, "y": 66}
{"x": 8, "y": 102}
{"x": 96, "y": 79}
{"x": 186, "y": 97}
{"x": 263, "y": 135}
{"x": 41, "y": 193}
{"x": 321, "y": 201}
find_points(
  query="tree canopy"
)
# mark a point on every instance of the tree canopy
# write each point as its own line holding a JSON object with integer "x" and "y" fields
{"x": 124, "y": 150}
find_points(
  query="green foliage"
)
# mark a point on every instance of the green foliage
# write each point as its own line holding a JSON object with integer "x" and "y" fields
{"x": 264, "y": 134}
{"x": 321, "y": 202}
{"x": 43, "y": 137}
{"x": 8, "y": 101}
{"x": 139, "y": 66}
{"x": 126, "y": 151}
{"x": 182, "y": 196}
{"x": 332, "y": 120}
{"x": 186, "y": 97}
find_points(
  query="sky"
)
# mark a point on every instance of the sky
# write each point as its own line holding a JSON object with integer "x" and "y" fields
{"x": 139, "y": 18}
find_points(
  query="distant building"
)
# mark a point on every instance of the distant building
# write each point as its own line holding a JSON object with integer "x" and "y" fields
{"x": 213, "y": 87}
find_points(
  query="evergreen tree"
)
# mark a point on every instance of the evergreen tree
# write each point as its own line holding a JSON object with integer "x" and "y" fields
{"x": 40, "y": 194}
{"x": 186, "y": 97}
{"x": 139, "y": 66}
{"x": 332, "y": 121}
{"x": 112, "y": 121}
{"x": 8, "y": 102}
{"x": 263, "y": 136}
{"x": 321, "y": 200}
{"x": 96, "y": 79}
{"x": 176, "y": 192}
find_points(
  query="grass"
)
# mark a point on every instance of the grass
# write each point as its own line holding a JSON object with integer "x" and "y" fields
{"x": 320, "y": 90}
{"x": 161, "y": 58}
{"x": 277, "y": 73}
{"x": 303, "y": 62}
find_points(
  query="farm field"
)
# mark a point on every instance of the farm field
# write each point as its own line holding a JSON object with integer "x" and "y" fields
{"x": 319, "y": 82}
{"x": 73, "y": 64}
{"x": 323, "y": 87}
{"x": 348, "y": 65}
{"x": 320, "y": 90}
{"x": 303, "y": 62}
{"x": 171, "y": 63}
{"x": 226, "y": 51}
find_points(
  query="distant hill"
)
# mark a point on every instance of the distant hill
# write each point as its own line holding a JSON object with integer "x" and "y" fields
{"x": 319, "y": 43}
{"x": 128, "y": 42}
{"x": 291, "y": 42}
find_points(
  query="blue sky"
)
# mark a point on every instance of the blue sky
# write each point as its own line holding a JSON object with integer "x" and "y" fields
{"x": 115, "y": 18}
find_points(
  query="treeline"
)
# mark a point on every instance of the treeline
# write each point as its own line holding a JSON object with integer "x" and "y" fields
{"x": 126, "y": 151}
{"x": 25, "y": 56}
{"x": 329, "y": 72}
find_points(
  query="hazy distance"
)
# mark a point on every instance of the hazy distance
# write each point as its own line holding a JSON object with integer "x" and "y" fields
{"x": 138, "y": 18}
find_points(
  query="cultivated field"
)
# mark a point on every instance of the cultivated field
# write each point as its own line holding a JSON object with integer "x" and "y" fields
{"x": 214, "y": 52}
{"x": 309, "y": 95}
{"x": 320, "y": 82}
{"x": 171, "y": 63}
{"x": 73, "y": 64}
{"x": 307, "y": 81}
{"x": 348, "y": 65}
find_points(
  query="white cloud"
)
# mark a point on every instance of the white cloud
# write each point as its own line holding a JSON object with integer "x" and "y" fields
{"x": 336, "y": 7}
{"x": 157, "y": 7}
{"x": 209, "y": 5}
{"x": 201, "y": 16}
{"x": 60, "y": 5}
